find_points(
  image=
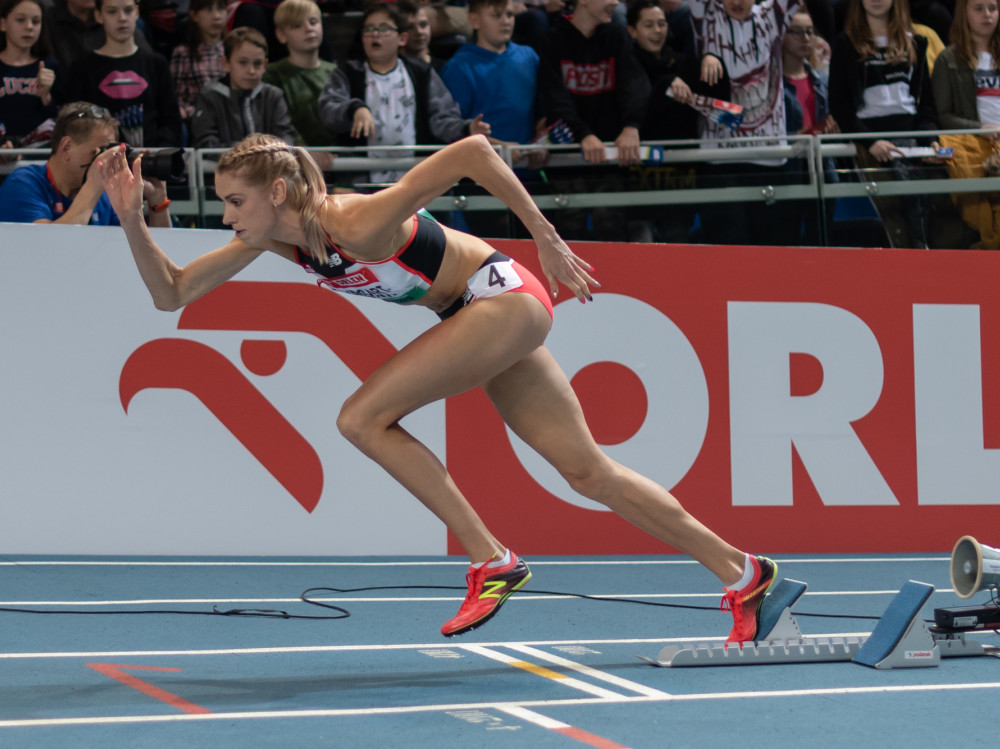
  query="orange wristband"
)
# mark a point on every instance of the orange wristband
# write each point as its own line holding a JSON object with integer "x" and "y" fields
{"x": 161, "y": 207}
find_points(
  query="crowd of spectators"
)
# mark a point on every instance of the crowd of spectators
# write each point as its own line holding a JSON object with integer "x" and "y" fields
{"x": 600, "y": 73}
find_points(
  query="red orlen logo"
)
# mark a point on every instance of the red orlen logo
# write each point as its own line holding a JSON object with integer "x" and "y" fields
{"x": 226, "y": 392}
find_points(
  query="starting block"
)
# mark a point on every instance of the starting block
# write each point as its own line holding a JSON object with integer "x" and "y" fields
{"x": 900, "y": 640}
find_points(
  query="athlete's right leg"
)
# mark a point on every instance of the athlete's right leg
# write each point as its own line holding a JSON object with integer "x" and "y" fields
{"x": 537, "y": 401}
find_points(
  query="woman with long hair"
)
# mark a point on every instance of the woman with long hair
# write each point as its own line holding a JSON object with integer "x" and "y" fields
{"x": 966, "y": 79}
{"x": 27, "y": 70}
{"x": 494, "y": 317}
{"x": 966, "y": 84}
{"x": 880, "y": 83}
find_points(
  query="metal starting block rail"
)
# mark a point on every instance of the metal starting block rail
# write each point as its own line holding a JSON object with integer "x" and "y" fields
{"x": 899, "y": 640}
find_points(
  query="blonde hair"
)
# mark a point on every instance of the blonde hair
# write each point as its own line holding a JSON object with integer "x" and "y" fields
{"x": 901, "y": 49}
{"x": 290, "y": 13}
{"x": 961, "y": 38}
{"x": 260, "y": 159}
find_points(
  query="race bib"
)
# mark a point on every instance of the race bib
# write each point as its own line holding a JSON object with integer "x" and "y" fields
{"x": 494, "y": 279}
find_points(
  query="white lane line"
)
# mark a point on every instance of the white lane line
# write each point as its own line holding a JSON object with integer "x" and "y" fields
{"x": 413, "y": 709}
{"x": 522, "y": 597}
{"x": 457, "y": 562}
{"x": 547, "y": 673}
{"x": 593, "y": 673}
{"x": 353, "y": 648}
{"x": 578, "y": 734}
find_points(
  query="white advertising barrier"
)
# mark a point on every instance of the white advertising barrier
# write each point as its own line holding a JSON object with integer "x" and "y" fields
{"x": 81, "y": 474}
{"x": 794, "y": 400}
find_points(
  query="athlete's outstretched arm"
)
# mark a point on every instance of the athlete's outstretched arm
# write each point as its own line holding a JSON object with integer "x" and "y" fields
{"x": 170, "y": 285}
{"x": 475, "y": 158}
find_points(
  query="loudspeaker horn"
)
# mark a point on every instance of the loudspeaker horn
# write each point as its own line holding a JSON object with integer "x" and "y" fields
{"x": 974, "y": 567}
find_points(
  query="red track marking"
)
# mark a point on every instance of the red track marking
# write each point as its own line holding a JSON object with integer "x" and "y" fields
{"x": 588, "y": 738}
{"x": 116, "y": 672}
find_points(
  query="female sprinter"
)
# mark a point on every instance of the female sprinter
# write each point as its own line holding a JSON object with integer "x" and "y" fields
{"x": 494, "y": 319}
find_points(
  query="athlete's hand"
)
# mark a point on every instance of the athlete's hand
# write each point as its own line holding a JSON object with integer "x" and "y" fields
{"x": 124, "y": 186}
{"x": 562, "y": 266}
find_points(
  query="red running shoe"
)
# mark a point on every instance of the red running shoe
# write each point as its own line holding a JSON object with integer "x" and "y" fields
{"x": 489, "y": 587}
{"x": 745, "y": 603}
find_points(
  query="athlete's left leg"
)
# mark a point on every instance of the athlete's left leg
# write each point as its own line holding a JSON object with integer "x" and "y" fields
{"x": 536, "y": 399}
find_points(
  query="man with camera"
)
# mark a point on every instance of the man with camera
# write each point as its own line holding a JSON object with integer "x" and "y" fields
{"x": 68, "y": 188}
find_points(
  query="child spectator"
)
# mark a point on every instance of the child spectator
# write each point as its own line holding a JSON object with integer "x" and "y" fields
{"x": 807, "y": 108}
{"x": 966, "y": 85}
{"x": 69, "y": 187}
{"x": 744, "y": 39}
{"x": 134, "y": 85}
{"x": 879, "y": 82}
{"x": 27, "y": 73}
{"x": 495, "y": 77}
{"x": 194, "y": 64}
{"x": 240, "y": 104}
{"x": 589, "y": 79}
{"x": 388, "y": 99}
{"x": 667, "y": 118}
{"x": 418, "y": 36}
{"x": 74, "y": 31}
{"x": 302, "y": 75}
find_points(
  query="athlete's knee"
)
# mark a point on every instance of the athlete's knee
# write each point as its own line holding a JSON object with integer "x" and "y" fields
{"x": 592, "y": 479}
{"x": 354, "y": 421}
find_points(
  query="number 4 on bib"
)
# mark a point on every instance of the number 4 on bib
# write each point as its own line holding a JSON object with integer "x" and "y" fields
{"x": 496, "y": 279}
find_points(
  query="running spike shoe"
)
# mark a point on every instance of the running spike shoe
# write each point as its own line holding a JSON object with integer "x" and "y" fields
{"x": 489, "y": 587}
{"x": 745, "y": 603}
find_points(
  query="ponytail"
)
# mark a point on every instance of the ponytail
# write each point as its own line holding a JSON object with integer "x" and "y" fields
{"x": 260, "y": 159}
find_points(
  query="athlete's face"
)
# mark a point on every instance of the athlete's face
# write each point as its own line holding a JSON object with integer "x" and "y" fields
{"x": 248, "y": 209}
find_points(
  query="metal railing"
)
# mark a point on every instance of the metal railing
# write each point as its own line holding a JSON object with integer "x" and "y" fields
{"x": 816, "y": 181}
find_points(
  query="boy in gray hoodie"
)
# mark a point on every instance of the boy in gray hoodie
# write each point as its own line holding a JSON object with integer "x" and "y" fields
{"x": 228, "y": 110}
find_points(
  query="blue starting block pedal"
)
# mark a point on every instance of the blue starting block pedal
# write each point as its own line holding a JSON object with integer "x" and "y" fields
{"x": 782, "y": 642}
{"x": 900, "y": 640}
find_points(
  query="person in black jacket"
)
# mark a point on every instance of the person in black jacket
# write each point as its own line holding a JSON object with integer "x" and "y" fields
{"x": 879, "y": 82}
{"x": 674, "y": 77}
{"x": 589, "y": 79}
{"x": 134, "y": 85}
{"x": 389, "y": 99}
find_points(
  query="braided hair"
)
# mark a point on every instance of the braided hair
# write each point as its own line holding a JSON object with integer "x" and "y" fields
{"x": 260, "y": 159}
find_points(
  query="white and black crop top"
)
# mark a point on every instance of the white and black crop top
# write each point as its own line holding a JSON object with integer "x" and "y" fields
{"x": 402, "y": 278}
